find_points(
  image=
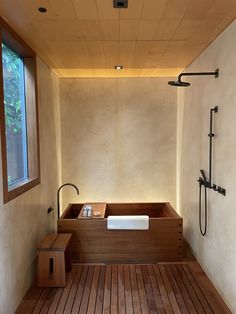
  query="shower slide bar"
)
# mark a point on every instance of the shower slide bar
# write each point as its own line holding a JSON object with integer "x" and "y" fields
{"x": 203, "y": 180}
{"x": 207, "y": 184}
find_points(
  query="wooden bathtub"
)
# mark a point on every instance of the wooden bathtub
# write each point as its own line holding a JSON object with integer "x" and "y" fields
{"x": 93, "y": 243}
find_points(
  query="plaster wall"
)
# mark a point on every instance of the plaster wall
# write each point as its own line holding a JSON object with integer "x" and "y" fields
{"x": 216, "y": 251}
{"x": 118, "y": 139}
{"x": 24, "y": 220}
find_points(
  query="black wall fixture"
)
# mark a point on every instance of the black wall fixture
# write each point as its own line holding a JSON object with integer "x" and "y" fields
{"x": 179, "y": 83}
{"x": 208, "y": 184}
{"x": 120, "y": 4}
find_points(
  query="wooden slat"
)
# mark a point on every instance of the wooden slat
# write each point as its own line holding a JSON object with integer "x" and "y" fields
{"x": 214, "y": 299}
{"x": 66, "y": 291}
{"x": 40, "y": 301}
{"x": 73, "y": 290}
{"x": 155, "y": 288}
{"x": 100, "y": 291}
{"x": 79, "y": 292}
{"x": 185, "y": 294}
{"x": 197, "y": 289}
{"x": 128, "y": 296}
{"x": 121, "y": 289}
{"x": 169, "y": 291}
{"x": 135, "y": 292}
{"x": 55, "y": 301}
{"x": 148, "y": 289}
{"x": 142, "y": 293}
{"x": 29, "y": 301}
{"x": 93, "y": 292}
{"x": 107, "y": 291}
{"x": 48, "y": 301}
{"x": 176, "y": 290}
{"x": 61, "y": 242}
{"x": 190, "y": 289}
{"x": 114, "y": 290}
{"x": 164, "y": 296}
{"x": 47, "y": 241}
{"x": 86, "y": 292}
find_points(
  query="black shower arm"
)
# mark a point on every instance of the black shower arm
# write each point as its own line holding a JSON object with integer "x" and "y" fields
{"x": 215, "y": 73}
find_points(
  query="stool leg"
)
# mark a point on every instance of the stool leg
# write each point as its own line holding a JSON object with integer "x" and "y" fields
{"x": 51, "y": 269}
{"x": 68, "y": 258}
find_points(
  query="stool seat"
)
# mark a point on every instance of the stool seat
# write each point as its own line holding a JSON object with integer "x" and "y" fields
{"x": 54, "y": 259}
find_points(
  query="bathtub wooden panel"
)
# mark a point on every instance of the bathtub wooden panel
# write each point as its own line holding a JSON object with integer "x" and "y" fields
{"x": 92, "y": 242}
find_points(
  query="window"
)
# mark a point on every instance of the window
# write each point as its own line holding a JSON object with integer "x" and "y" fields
{"x": 19, "y": 123}
{"x": 15, "y": 115}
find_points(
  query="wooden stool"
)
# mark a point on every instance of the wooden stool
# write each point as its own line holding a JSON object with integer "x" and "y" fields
{"x": 54, "y": 259}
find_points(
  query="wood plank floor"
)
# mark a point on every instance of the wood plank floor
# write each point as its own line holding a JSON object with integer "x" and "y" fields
{"x": 129, "y": 289}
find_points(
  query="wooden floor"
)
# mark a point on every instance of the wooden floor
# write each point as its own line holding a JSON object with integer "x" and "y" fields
{"x": 160, "y": 288}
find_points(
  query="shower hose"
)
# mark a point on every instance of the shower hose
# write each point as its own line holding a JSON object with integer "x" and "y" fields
{"x": 202, "y": 230}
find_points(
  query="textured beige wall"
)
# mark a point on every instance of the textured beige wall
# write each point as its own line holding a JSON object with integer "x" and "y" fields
{"x": 215, "y": 252}
{"x": 118, "y": 139}
{"x": 24, "y": 220}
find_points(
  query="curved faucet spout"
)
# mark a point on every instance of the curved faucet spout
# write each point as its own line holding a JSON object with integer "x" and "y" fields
{"x": 58, "y": 196}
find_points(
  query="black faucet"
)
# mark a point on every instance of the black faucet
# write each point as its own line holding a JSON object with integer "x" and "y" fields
{"x": 58, "y": 192}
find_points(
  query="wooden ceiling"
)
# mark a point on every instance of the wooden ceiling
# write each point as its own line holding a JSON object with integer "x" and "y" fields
{"x": 84, "y": 38}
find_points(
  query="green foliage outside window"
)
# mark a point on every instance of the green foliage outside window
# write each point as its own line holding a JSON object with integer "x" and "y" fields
{"x": 12, "y": 73}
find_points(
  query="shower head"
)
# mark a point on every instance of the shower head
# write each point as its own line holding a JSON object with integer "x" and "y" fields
{"x": 179, "y": 83}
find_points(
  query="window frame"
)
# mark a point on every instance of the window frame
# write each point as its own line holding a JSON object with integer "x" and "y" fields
{"x": 14, "y": 41}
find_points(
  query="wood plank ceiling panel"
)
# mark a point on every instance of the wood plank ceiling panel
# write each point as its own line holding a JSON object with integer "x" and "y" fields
{"x": 198, "y": 9}
{"x": 175, "y": 9}
{"x": 166, "y": 29}
{"x": 63, "y": 8}
{"x": 96, "y": 53}
{"x": 61, "y": 30}
{"x": 110, "y": 29}
{"x": 153, "y": 9}
{"x": 85, "y": 9}
{"x": 106, "y": 10}
{"x": 89, "y": 37}
{"x": 111, "y": 52}
{"x": 147, "y": 29}
{"x": 129, "y": 29}
{"x": 91, "y": 29}
{"x": 134, "y": 11}
{"x": 126, "y": 51}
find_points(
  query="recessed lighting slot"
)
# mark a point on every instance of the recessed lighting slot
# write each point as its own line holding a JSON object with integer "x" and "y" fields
{"x": 42, "y": 10}
{"x": 120, "y": 4}
{"x": 118, "y": 67}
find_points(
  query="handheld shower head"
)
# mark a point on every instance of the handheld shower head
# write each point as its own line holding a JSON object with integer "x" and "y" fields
{"x": 179, "y": 83}
{"x": 203, "y": 175}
